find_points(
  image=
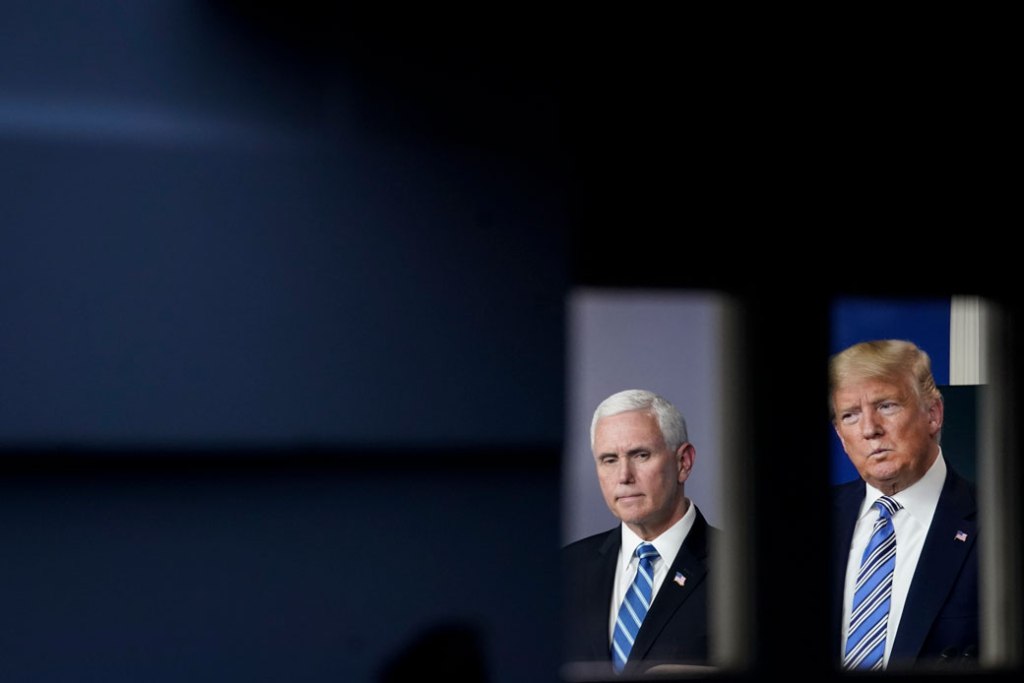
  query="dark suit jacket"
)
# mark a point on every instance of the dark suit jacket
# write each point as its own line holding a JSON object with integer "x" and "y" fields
{"x": 939, "y": 625}
{"x": 675, "y": 630}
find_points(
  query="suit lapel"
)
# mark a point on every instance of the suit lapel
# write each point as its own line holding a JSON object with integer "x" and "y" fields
{"x": 847, "y": 508}
{"x": 601, "y": 584}
{"x": 952, "y": 534}
{"x": 690, "y": 566}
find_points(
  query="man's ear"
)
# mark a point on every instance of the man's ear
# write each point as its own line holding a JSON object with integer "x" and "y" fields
{"x": 936, "y": 413}
{"x": 685, "y": 455}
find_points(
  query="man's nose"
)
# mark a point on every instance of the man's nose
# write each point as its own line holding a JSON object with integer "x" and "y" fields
{"x": 625, "y": 470}
{"x": 870, "y": 425}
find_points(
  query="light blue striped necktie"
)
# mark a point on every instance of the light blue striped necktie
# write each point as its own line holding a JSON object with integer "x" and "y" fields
{"x": 634, "y": 606}
{"x": 869, "y": 617}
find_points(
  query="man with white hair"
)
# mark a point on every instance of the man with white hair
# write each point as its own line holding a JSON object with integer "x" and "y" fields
{"x": 637, "y": 595}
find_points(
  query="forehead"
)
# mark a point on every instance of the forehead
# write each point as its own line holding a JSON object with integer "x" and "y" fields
{"x": 870, "y": 390}
{"x": 632, "y": 428}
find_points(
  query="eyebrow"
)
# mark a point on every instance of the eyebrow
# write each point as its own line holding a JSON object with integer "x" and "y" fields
{"x": 875, "y": 401}
{"x": 631, "y": 451}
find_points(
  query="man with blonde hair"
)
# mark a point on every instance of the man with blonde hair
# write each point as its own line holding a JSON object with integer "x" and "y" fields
{"x": 905, "y": 551}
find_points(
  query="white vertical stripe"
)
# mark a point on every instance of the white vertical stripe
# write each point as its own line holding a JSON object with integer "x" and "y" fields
{"x": 968, "y": 334}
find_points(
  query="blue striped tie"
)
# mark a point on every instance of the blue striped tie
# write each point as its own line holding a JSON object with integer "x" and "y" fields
{"x": 869, "y": 618}
{"x": 634, "y": 606}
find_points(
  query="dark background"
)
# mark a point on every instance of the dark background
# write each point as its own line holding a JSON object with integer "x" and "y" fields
{"x": 281, "y": 305}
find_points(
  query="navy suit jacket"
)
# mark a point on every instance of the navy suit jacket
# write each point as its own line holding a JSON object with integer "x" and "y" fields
{"x": 939, "y": 624}
{"x": 675, "y": 630}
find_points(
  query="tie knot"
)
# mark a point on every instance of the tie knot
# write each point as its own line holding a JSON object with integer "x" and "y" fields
{"x": 646, "y": 551}
{"x": 887, "y": 507}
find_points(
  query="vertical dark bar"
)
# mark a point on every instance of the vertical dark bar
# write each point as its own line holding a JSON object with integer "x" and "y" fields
{"x": 1000, "y": 475}
{"x": 784, "y": 412}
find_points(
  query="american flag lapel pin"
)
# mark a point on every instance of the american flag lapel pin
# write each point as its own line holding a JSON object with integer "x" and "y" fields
{"x": 961, "y": 536}
{"x": 680, "y": 579}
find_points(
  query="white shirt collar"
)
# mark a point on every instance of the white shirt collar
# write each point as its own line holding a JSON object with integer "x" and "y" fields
{"x": 667, "y": 544}
{"x": 920, "y": 498}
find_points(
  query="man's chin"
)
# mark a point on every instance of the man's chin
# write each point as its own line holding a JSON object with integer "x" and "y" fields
{"x": 886, "y": 481}
{"x": 632, "y": 514}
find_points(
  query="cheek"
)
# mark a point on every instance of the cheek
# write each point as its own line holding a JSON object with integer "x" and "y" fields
{"x": 904, "y": 432}
{"x": 666, "y": 479}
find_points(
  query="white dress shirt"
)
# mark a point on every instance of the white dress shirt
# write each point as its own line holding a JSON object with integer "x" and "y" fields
{"x": 911, "y": 526}
{"x": 667, "y": 545}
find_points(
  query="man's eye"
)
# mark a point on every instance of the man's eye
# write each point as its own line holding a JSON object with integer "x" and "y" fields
{"x": 889, "y": 406}
{"x": 848, "y": 418}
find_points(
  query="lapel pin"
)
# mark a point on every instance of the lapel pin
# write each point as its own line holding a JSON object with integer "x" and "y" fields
{"x": 680, "y": 579}
{"x": 961, "y": 536}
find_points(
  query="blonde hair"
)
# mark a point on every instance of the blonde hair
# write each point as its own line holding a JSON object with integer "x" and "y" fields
{"x": 883, "y": 359}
